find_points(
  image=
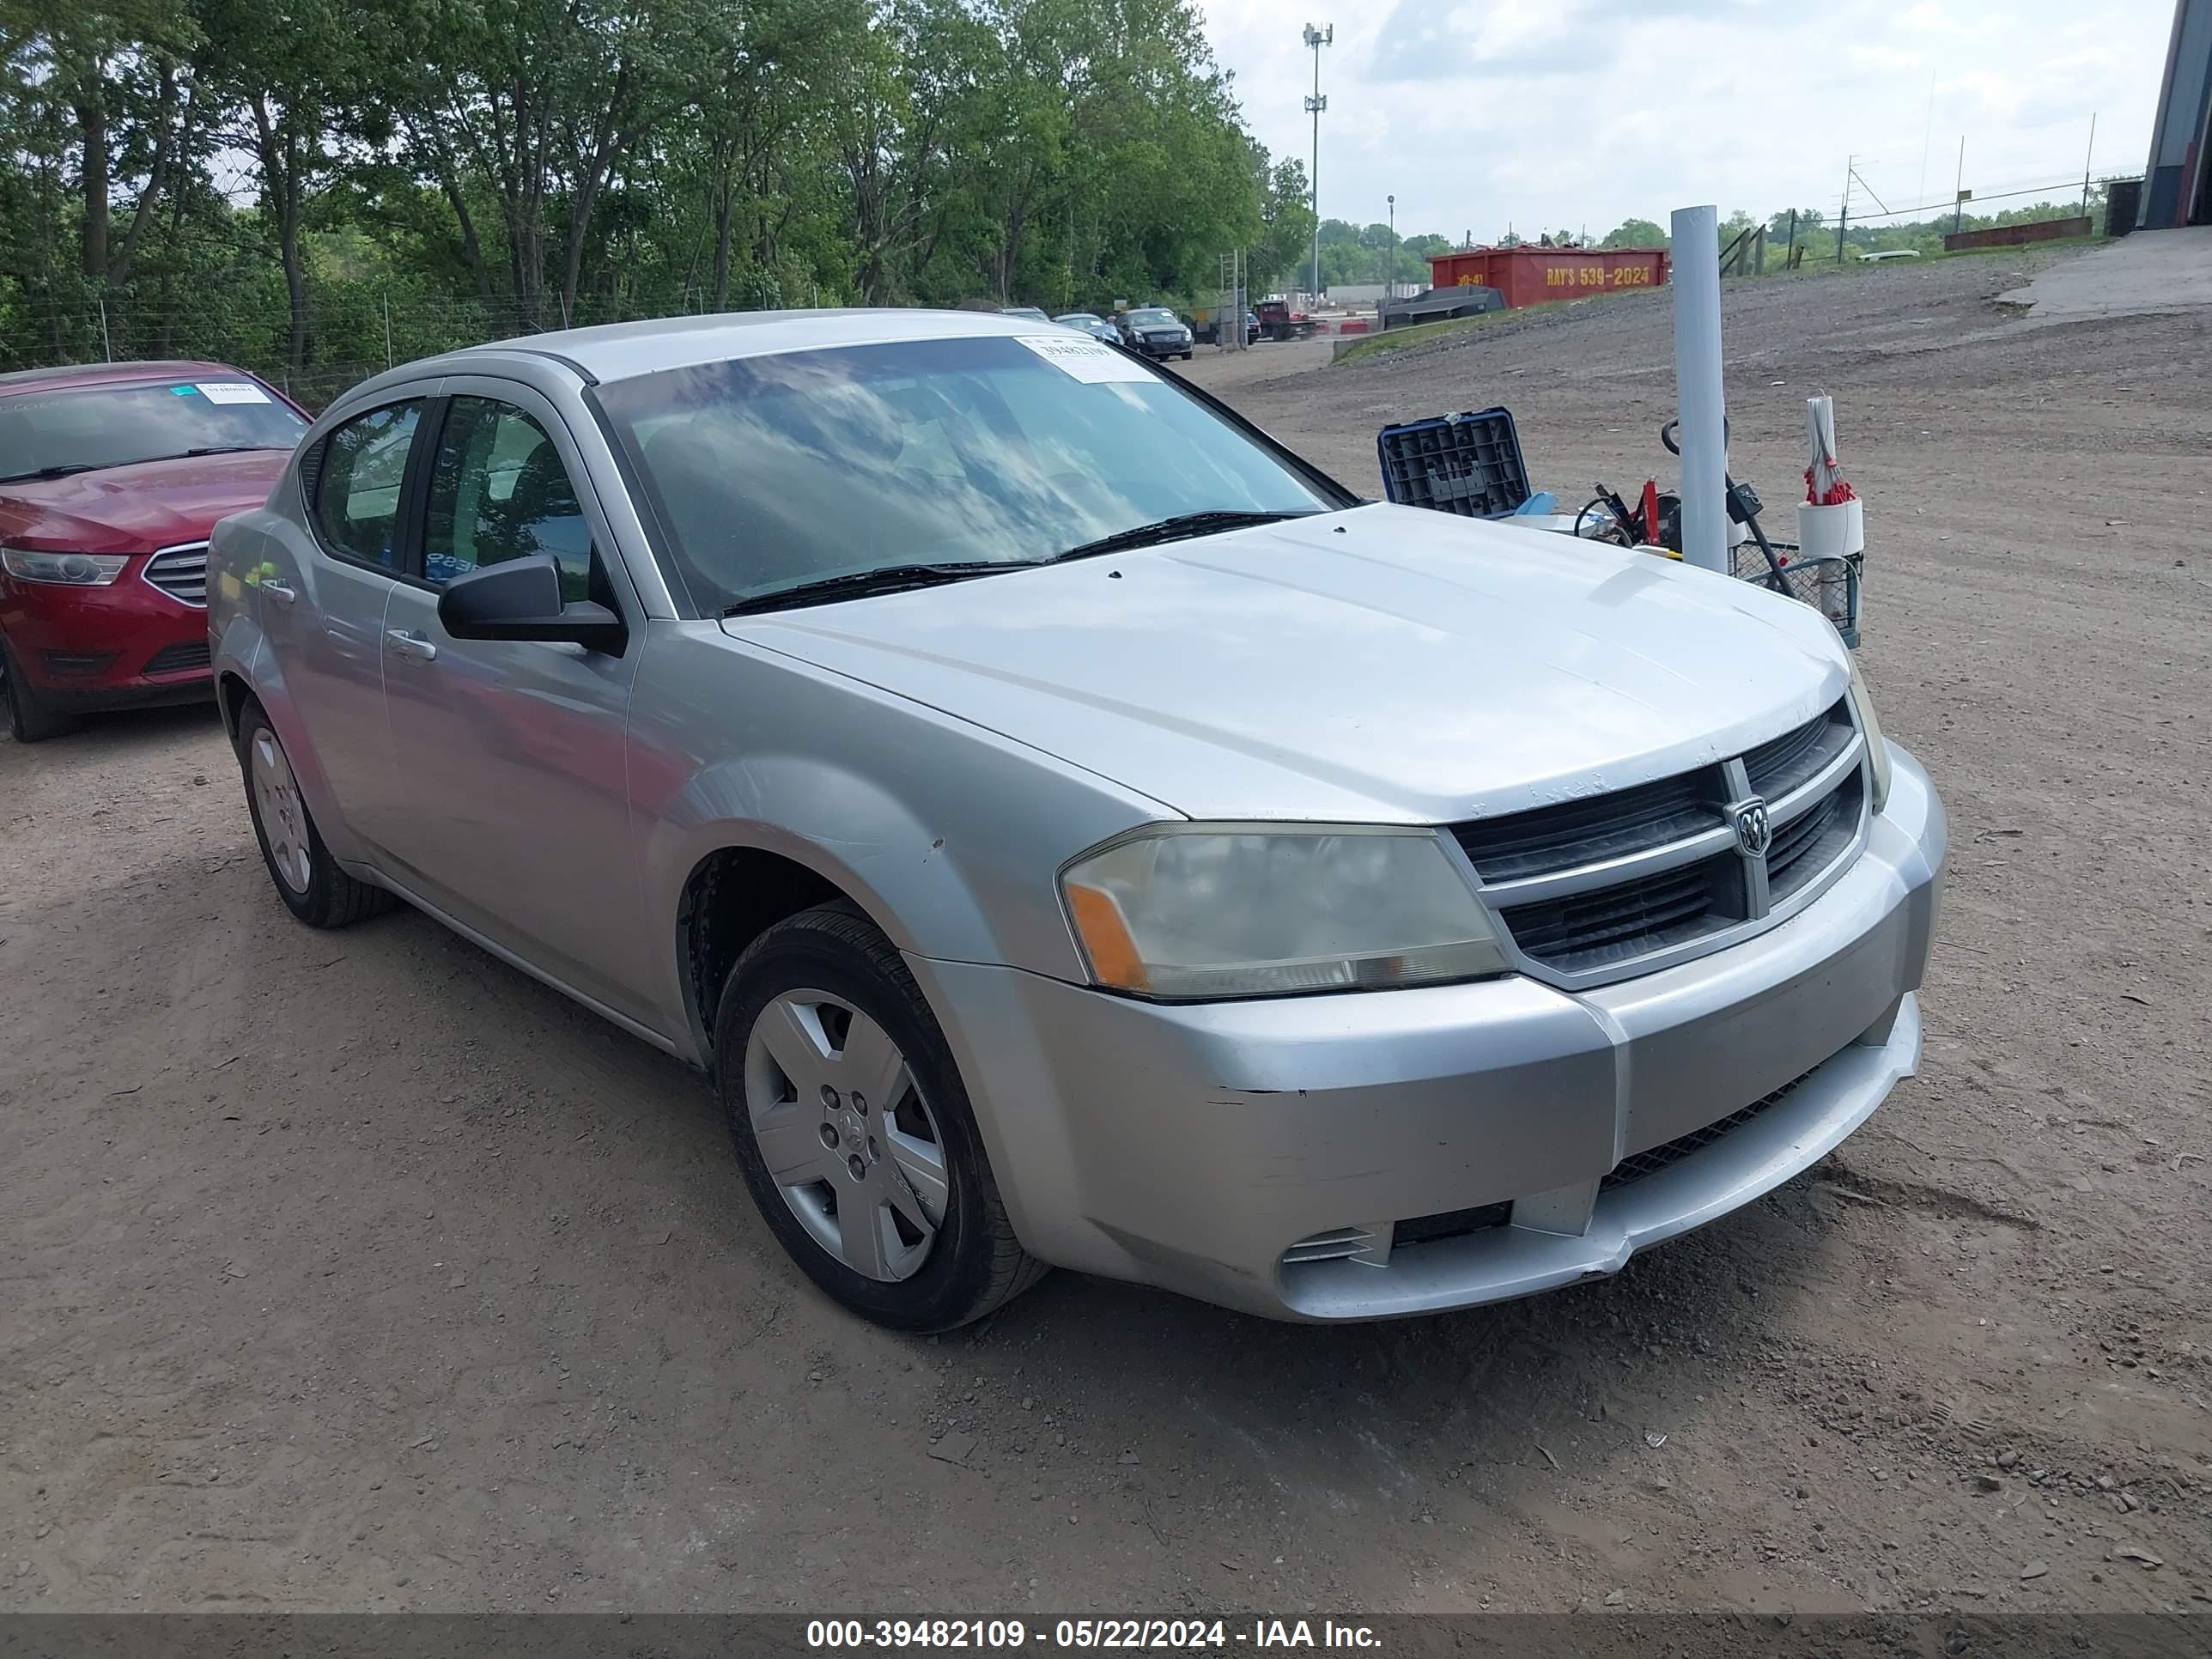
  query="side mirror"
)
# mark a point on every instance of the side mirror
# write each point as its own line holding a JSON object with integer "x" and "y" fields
{"x": 520, "y": 599}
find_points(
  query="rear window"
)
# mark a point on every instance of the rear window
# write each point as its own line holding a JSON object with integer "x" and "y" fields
{"x": 85, "y": 428}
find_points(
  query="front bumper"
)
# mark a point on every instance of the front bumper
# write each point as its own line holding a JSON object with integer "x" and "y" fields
{"x": 1519, "y": 1137}
{"x": 127, "y": 645}
{"x": 1161, "y": 349}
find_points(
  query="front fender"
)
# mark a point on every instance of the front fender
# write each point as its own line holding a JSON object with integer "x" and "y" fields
{"x": 950, "y": 836}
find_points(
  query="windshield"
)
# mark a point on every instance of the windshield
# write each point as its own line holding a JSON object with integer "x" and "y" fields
{"x": 768, "y": 472}
{"x": 103, "y": 425}
{"x": 1153, "y": 316}
{"x": 1077, "y": 317}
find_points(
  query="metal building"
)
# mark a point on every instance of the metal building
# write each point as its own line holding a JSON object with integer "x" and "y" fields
{"x": 2177, "y": 182}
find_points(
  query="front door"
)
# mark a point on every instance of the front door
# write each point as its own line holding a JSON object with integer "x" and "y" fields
{"x": 513, "y": 755}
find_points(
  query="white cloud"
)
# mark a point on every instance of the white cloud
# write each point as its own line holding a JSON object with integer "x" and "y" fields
{"x": 1563, "y": 113}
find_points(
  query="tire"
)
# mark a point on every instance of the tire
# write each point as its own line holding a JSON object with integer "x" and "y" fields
{"x": 306, "y": 877}
{"x": 817, "y": 1003}
{"x": 30, "y": 719}
{"x": 1185, "y": 356}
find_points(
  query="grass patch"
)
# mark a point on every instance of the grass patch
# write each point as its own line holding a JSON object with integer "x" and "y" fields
{"x": 1420, "y": 334}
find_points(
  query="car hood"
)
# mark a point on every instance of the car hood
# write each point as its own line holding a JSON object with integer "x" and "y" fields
{"x": 1384, "y": 664}
{"x": 137, "y": 509}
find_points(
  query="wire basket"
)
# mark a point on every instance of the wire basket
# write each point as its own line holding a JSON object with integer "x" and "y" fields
{"x": 1827, "y": 582}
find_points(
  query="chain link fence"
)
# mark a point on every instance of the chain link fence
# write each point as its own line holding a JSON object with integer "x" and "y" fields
{"x": 353, "y": 330}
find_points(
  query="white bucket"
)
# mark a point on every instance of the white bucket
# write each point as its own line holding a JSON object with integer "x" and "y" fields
{"x": 1831, "y": 532}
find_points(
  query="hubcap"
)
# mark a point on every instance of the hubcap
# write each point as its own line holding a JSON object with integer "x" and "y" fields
{"x": 845, "y": 1134}
{"x": 283, "y": 820}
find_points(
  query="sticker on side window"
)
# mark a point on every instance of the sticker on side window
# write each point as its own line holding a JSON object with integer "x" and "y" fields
{"x": 1087, "y": 360}
{"x": 232, "y": 391}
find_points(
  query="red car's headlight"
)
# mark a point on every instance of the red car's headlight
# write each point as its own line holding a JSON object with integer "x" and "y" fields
{"x": 63, "y": 569}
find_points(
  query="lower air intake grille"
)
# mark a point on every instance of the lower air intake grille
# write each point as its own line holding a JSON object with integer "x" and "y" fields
{"x": 1637, "y": 1165}
{"x": 178, "y": 658}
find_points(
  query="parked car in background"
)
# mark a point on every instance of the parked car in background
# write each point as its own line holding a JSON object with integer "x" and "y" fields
{"x": 1206, "y": 325}
{"x": 1156, "y": 331}
{"x": 112, "y": 474}
{"x": 1093, "y": 325}
{"x": 1030, "y": 311}
{"x": 1071, "y": 827}
{"x": 1278, "y": 322}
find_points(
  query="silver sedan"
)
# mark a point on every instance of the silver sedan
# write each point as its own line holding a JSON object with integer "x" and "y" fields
{"x": 1067, "y": 827}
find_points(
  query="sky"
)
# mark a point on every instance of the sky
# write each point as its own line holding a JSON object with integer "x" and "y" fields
{"x": 1534, "y": 115}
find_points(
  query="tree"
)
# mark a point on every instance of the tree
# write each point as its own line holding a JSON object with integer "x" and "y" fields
{"x": 1777, "y": 227}
{"x": 1635, "y": 233}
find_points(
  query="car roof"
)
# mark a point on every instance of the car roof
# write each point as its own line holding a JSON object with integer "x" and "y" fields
{"x": 62, "y": 376}
{"x": 621, "y": 351}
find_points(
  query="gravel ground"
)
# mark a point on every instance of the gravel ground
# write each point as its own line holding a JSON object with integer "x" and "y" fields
{"x": 357, "y": 1270}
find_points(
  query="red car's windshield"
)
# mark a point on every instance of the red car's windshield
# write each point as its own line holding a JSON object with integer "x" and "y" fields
{"x": 45, "y": 435}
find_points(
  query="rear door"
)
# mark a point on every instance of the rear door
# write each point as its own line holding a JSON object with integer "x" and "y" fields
{"x": 513, "y": 755}
{"x": 321, "y": 601}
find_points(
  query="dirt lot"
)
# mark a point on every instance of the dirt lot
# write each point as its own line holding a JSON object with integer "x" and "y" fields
{"x": 355, "y": 1270}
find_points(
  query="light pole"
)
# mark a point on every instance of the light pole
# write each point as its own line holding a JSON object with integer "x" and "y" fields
{"x": 1318, "y": 38}
{"x": 1390, "y": 275}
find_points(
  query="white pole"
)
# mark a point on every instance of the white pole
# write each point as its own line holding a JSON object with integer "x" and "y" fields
{"x": 1703, "y": 409}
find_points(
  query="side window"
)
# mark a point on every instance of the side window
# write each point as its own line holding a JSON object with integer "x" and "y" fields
{"x": 498, "y": 491}
{"x": 357, "y": 484}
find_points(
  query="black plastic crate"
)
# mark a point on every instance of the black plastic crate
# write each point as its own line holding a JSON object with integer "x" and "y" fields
{"x": 1466, "y": 464}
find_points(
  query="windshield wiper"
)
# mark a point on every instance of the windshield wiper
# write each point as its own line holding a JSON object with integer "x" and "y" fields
{"x": 69, "y": 469}
{"x": 1181, "y": 527}
{"x": 858, "y": 583}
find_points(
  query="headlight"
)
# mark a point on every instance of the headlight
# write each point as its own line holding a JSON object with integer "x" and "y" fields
{"x": 1255, "y": 911}
{"x": 64, "y": 569}
{"x": 1870, "y": 728}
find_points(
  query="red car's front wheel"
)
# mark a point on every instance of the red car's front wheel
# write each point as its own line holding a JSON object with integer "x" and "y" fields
{"x": 30, "y": 718}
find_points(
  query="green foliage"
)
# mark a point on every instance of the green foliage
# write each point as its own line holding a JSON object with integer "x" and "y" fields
{"x": 1635, "y": 233}
{"x": 268, "y": 180}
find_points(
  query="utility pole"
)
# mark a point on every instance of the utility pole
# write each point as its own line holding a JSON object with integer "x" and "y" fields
{"x": 2086, "y": 160}
{"x": 1958, "y": 188}
{"x": 1390, "y": 275}
{"x": 1843, "y": 217}
{"x": 1318, "y": 38}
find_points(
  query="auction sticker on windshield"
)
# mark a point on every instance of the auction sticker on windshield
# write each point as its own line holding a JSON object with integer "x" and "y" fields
{"x": 232, "y": 391}
{"x": 1086, "y": 359}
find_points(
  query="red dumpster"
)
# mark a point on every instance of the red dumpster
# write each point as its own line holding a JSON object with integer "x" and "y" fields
{"x": 1529, "y": 276}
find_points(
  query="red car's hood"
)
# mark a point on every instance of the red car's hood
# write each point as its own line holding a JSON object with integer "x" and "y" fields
{"x": 136, "y": 509}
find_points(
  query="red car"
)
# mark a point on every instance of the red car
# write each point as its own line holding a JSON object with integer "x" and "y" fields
{"x": 112, "y": 474}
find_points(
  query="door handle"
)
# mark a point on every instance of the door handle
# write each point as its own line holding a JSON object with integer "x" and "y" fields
{"x": 277, "y": 591}
{"x": 411, "y": 645}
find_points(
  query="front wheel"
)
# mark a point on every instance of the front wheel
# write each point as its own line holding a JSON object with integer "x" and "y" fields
{"x": 854, "y": 1132}
{"x": 30, "y": 720}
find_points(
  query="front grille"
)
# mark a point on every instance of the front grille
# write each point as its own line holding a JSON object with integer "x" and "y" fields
{"x": 1637, "y": 1165}
{"x": 1574, "y": 884}
{"x": 1796, "y": 758}
{"x": 181, "y": 572}
{"x": 1591, "y": 829}
{"x": 1806, "y": 846}
{"x": 1607, "y": 925}
{"x": 177, "y": 659}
